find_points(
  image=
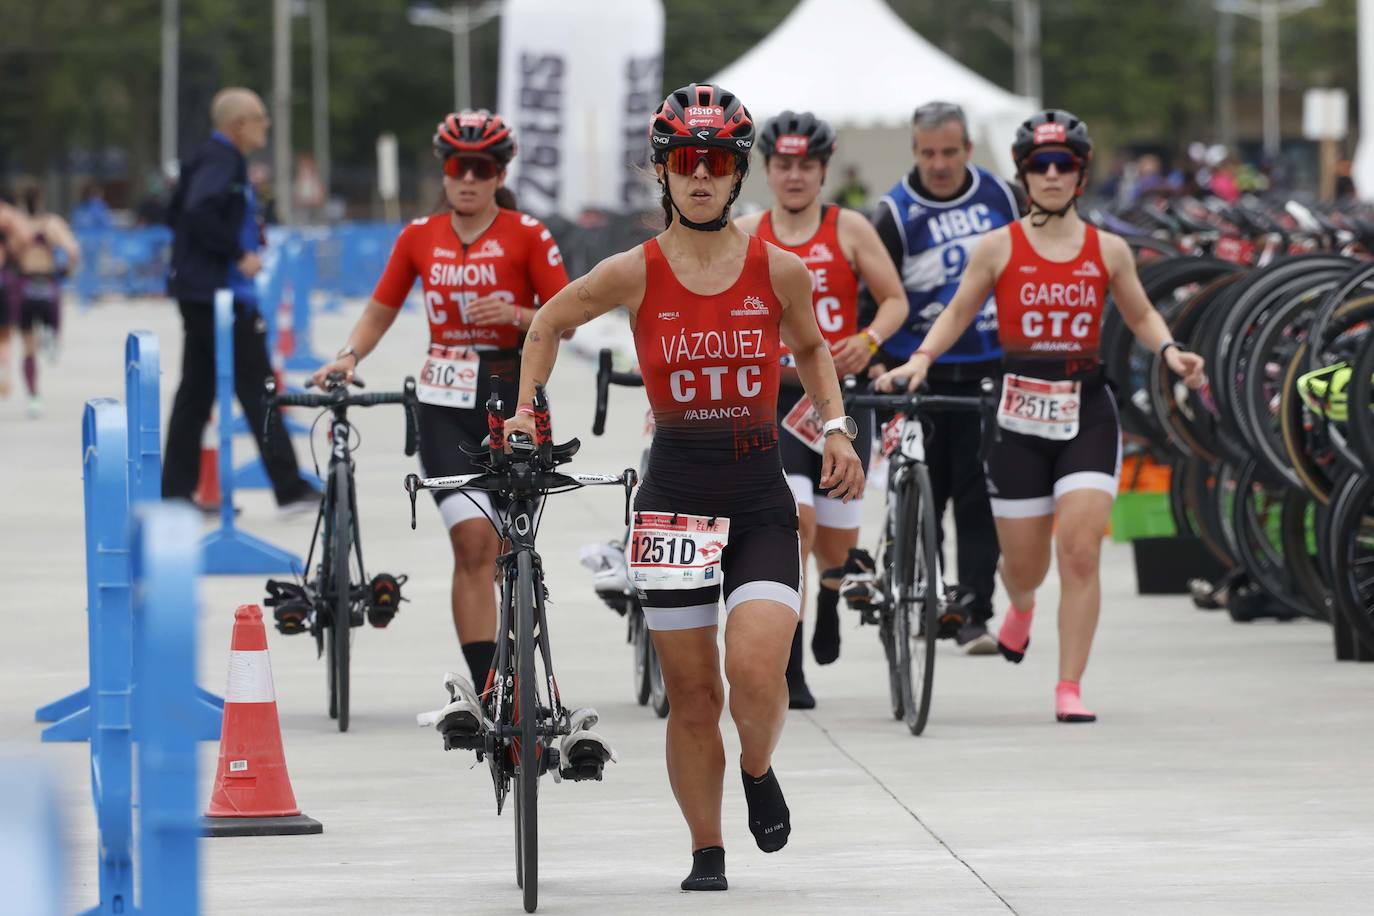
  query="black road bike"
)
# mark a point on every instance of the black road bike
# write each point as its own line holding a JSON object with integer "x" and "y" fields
{"x": 337, "y": 594}
{"x": 909, "y": 602}
{"x": 523, "y": 706}
{"x": 649, "y": 689}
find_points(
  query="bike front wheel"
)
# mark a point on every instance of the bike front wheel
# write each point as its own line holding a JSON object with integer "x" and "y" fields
{"x": 914, "y": 593}
{"x": 341, "y": 628}
{"x": 529, "y": 752}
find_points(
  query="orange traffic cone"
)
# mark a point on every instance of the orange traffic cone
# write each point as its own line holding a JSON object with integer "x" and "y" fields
{"x": 286, "y": 329}
{"x": 207, "y": 494}
{"x": 252, "y": 794}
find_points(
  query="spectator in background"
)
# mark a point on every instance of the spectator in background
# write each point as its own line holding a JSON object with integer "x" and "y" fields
{"x": 14, "y": 232}
{"x": 1149, "y": 178}
{"x": 260, "y": 177}
{"x": 1345, "y": 182}
{"x": 92, "y": 213}
{"x": 1223, "y": 178}
{"x": 216, "y": 239}
{"x": 853, "y": 193}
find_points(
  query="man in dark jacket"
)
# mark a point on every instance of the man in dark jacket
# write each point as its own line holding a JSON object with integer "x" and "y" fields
{"x": 215, "y": 245}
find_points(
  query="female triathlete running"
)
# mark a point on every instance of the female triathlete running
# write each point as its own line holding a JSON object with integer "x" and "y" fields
{"x": 839, "y": 247}
{"x": 711, "y": 307}
{"x": 484, "y": 270}
{"x": 1057, "y": 464}
{"x": 42, "y": 260}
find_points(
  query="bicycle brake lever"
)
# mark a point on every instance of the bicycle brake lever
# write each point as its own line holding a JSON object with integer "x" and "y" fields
{"x": 412, "y": 485}
{"x": 629, "y": 478}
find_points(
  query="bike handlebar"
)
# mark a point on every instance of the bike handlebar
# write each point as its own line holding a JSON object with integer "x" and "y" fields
{"x": 339, "y": 398}
{"x": 605, "y": 378}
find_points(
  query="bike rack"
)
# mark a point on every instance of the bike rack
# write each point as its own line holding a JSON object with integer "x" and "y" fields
{"x": 229, "y": 551}
{"x": 140, "y": 484}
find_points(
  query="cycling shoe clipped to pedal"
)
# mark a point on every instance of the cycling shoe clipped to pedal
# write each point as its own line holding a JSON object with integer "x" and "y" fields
{"x": 583, "y": 753}
{"x": 384, "y": 598}
{"x": 460, "y": 722}
{"x": 291, "y": 606}
{"x": 610, "y": 574}
{"x": 858, "y": 581}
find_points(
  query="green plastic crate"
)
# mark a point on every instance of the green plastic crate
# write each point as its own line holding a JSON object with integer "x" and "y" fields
{"x": 1142, "y": 515}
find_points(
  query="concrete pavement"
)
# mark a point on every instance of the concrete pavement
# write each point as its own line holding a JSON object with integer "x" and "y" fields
{"x": 1226, "y": 775}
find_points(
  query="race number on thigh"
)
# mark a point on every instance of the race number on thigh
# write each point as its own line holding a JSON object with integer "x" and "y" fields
{"x": 669, "y": 552}
{"x": 449, "y": 377}
{"x": 1035, "y": 407}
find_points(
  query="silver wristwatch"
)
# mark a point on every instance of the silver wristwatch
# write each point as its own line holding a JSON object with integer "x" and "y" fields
{"x": 845, "y": 425}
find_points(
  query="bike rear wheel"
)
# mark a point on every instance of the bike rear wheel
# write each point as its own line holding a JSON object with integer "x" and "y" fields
{"x": 529, "y": 751}
{"x": 341, "y": 627}
{"x": 642, "y": 645}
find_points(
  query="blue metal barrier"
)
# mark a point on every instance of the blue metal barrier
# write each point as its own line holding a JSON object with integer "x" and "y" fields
{"x": 31, "y": 867}
{"x": 301, "y": 260}
{"x": 227, "y": 550}
{"x": 167, "y": 568}
{"x": 143, "y": 485}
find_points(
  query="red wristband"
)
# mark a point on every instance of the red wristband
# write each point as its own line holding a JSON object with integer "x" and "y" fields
{"x": 525, "y": 409}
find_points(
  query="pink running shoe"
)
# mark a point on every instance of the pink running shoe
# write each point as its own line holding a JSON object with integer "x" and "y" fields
{"x": 1014, "y": 638}
{"x": 1068, "y": 704}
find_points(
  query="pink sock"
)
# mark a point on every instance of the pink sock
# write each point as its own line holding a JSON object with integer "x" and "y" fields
{"x": 1015, "y": 632}
{"x": 1068, "y": 703}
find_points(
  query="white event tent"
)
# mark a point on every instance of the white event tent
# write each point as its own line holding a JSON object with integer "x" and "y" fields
{"x": 856, "y": 64}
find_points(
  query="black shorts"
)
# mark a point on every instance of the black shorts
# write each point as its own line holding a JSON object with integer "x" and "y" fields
{"x": 39, "y": 301}
{"x": 1027, "y": 474}
{"x": 802, "y": 466}
{"x": 762, "y": 559}
{"x": 443, "y": 430}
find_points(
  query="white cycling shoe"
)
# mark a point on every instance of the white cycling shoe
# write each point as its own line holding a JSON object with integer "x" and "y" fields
{"x": 583, "y": 753}
{"x": 461, "y": 722}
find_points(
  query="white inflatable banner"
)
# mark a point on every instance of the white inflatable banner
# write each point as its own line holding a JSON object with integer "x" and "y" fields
{"x": 580, "y": 81}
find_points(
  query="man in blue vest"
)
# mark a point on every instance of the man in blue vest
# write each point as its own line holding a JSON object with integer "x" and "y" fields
{"x": 930, "y": 222}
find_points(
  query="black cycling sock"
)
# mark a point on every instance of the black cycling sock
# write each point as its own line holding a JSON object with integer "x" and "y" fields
{"x": 769, "y": 820}
{"x": 825, "y": 641}
{"x": 794, "y": 660}
{"x": 708, "y": 870}
{"x": 479, "y": 656}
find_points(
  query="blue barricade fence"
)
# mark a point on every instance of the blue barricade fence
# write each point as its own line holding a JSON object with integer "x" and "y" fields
{"x": 141, "y": 481}
{"x": 229, "y": 551}
{"x": 167, "y": 568}
{"x": 142, "y": 484}
{"x": 32, "y": 866}
{"x": 141, "y": 591}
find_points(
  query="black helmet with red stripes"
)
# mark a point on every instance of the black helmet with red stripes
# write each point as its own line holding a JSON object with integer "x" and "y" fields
{"x": 700, "y": 115}
{"x": 475, "y": 132}
{"x": 1052, "y": 127}
{"x": 797, "y": 134}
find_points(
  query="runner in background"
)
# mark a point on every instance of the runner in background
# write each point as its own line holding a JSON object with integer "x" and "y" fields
{"x": 41, "y": 260}
{"x": 1053, "y": 473}
{"x": 839, "y": 248}
{"x": 484, "y": 270}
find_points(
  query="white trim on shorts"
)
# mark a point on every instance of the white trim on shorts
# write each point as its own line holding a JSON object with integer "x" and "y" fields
{"x": 764, "y": 590}
{"x": 682, "y": 618}
{"x": 830, "y": 513}
{"x": 1035, "y": 507}
{"x": 457, "y": 508}
{"x": 1085, "y": 480}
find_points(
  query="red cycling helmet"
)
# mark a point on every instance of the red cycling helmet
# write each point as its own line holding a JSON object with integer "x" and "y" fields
{"x": 702, "y": 114}
{"x": 474, "y": 132}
